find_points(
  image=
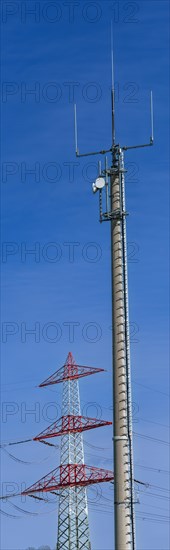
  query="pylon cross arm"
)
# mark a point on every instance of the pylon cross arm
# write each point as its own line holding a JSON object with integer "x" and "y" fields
{"x": 70, "y": 475}
{"x": 69, "y": 371}
{"x": 71, "y": 424}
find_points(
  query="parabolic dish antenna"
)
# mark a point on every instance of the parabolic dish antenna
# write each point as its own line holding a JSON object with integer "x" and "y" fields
{"x": 98, "y": 184}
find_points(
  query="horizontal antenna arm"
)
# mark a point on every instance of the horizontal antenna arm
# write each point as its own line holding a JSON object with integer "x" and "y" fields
{"x": 95, "y": 153}
{"x": 126, "y": 147}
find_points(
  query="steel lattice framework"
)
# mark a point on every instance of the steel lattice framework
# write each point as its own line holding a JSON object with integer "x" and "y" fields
{"x": 72, "y": 476}
{"x": 73, "y": 524}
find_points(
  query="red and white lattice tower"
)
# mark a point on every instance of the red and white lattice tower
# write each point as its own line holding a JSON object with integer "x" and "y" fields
{"x": 72, "y": 477}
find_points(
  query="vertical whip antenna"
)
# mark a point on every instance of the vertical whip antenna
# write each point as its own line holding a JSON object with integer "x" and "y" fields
{"x": 112, "y": 91}
{"x": 151, "y": 104}
{"x": 112, "y": 60}
{"x": 75, "y": 129}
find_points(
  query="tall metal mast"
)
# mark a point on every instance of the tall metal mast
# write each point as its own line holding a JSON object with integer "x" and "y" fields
{"x": 122, "y": 438}
{"x": 113, "y": 180}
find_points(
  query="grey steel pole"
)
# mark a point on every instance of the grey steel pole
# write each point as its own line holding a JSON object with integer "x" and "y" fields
{"x": 124, "y": 505}
{"x": 122, "y": 482}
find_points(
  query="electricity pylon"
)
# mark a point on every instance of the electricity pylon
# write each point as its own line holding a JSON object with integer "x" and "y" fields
{"x": 73, "y": 523}
{"x": 72, "y": 477}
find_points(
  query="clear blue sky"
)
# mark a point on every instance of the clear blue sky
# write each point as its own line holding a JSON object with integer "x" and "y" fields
{"x": 52, "y": 51}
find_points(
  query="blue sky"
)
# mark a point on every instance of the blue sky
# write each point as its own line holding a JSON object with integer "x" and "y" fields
{"x": 59, "y": 291}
